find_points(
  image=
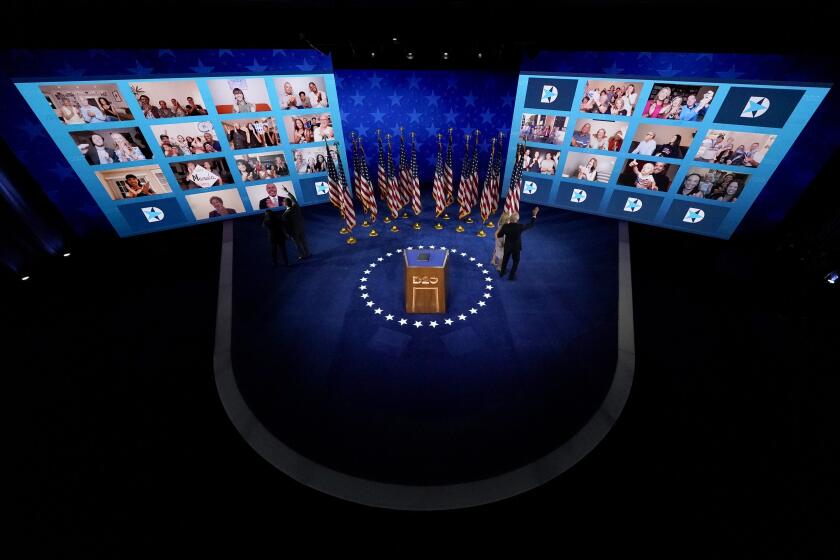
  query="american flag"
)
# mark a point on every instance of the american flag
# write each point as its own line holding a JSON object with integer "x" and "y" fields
{"x": 512, "y": 200}
{"x": 356, "y": 174}
{"x": 472, "y": 185}
{"x": 415, "y": 180}
{"x": 365, "y": 191}
{"x": 497, "y": 177}
{"x": 334, "y": 185}
{"x": 438, "y": 190}
{"x": 347, "y": 208}
{"x": 486, "y": 204}
{"x": 393, "y": 186}
{"x": 448, "y": 174}
{"x": 381, "y": 173}
{"x": 405, "y": 175}
{"x": 463, "y": 184}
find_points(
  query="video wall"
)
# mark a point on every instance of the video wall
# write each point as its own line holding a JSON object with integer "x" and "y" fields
{"x": 685, "y": 155}
{"x": 157, "y": 154}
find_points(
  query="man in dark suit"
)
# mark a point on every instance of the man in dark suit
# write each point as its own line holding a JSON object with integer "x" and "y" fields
{"x": 98, "y": 153}
{"x": 512, "y": 232}
{"x": 273, "y": 222}
{"x": 272, "y": 200}
{"x": 293, "y": 220}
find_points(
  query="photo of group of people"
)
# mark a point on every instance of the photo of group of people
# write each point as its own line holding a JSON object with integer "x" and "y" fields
{"x": 540, "y": 161}
{"x": 713, "y": 184}
{"x": 660, "y": 140}
{"x": 134, "y": 182}
{"x": 311, "y": 160}
{"x": 679, "y": 102}
{"x": 598, "y": 134}
{"x": 239, "y": 95}
{"x": 201, "y": 174}
{"x": 245, "y": 134}
{"x": 309, "y": 128}
{"x": 270, "y": 195}
{"x": 166, "y": 100}
{"x": 215, "y": 204}
{"x": 87, "y": 103}
{"x": 648, "y": 175}
{"x": 113, "y": 145}
{"x": 301, "y": 92}
{"x": 184, "y": 139}
{"x": 728, "y": 147}
{"x": 263, "y": 165}
{"x": 607, "y": 97}
{"x": 586, "y": 167}
{"x": 548, "y": 129}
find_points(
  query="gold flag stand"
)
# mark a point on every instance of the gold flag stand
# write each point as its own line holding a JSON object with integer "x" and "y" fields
{"x": 365, "y": 224}
{"x": 344, "y": 231}
{"x": 445, "y": 216}
{"x": 386, "y": 219}
{"x": 416, "y": 225}
{"x": 373, "y": 233}
{"x": 351, "y": 240}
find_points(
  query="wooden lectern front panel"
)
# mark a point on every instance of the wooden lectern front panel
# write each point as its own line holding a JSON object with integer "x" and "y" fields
{"x": 425, "y": 288}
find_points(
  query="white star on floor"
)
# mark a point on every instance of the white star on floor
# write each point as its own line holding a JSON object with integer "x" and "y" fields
{"x": 403, "y": 322}
{"x": 462, "y": 317}
{"x": 474, "y": 310}
{"x": 482, "y": 303}
{"x": 433, "y": 324}
{"x": 442, "y": 248}
{"x": 418, "y": 324}
{"x": 363, "y": 279}
{"x": 463, "y": 254}
{"x": 431, "y": 246}
{"x": 363, "y": 287}
{"x": 399, "y": 250}
{"x": 370, "y": 304}
{"x": 420, "y": 246}
{"x": 372, "y": 265}
{"x": 378, "y": 310}
{"x": 365, "y": 295}
{"x": 449, "y": 321}
{"x": 485, "y": 272}
{"x": 488, "y": 286}
{"x": 487, "y": 295}
{"x": 389, "y": 254}
{"x": 472, "y": 259}
{"x": 479, "y": 265}
{"x": 409, "y": 248}
{"x": 454, "y": 250}
{"x": 380, "y": 259}
{"x": 389, "y": 317}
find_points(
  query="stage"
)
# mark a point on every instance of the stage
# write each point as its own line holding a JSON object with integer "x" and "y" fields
{"x": 326, "y": 376}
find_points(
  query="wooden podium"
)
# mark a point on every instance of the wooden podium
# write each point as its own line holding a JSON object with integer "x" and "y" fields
{"x": 425, "y": 280}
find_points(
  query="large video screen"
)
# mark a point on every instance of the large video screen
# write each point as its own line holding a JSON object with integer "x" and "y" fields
{"x": 680, "y": 154}
{"x": 163, "y": 153}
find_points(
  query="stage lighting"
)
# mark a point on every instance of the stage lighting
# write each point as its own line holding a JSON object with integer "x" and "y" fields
{"x": 395, "y": 39}
{"x": 832, "y": 277}
{"x": 409, "y": 55}
{"x": 446, "y": 56}
{"x": 25, "y": 278}
{"x": 479, "y": 55}
{"x": 67, "y": 254}
{"x": 373, "y": 55}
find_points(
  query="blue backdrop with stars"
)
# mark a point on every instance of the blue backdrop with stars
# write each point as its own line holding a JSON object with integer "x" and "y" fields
{"x": 426, "y": 102}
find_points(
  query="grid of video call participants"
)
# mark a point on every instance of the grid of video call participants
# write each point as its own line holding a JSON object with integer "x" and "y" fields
{"x": 680, "y": 154}
{"x": 158, "y": 154}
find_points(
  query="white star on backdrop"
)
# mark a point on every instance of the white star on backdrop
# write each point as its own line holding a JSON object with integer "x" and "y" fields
{"x": 449, "y": 321}
{"x": 389, "y": 317}
{"x": 418, "y": 324}
{"x": 433, "y": 324}
{"x": 403, "y": 322}
{"x": 462, "y": 317}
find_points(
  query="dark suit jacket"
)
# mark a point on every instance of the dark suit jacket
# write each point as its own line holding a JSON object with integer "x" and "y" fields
{"x": 92, "y": 155}
{"x": 264, "y": 202}
{"x": 513, "y": 235}
{"x": 293, "y": 218}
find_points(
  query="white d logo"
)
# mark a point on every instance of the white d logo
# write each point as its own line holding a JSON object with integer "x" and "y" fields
{"x": 529, "y": 187}
{"x": 632, "y": 205}
{"x": 549, "y": 94}
{"x": 321, "y": 187}
{"x": 153, "y": 214}
{"x": 578, "y": 195}
{"x": 694, "y": 215}
{"x": 755, "y": 107}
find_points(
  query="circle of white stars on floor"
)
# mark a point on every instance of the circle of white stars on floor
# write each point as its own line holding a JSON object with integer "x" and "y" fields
{"x": 417, "y": 324}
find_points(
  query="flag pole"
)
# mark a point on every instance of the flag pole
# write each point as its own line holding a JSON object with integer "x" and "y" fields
{"x": 411, "y": 173}
{"x": 389, "y": 174}
{"x": 445, "y": 194}
{"x": 459, "y": 199}
{"x": 437, "y": 190}
{"x": 356, "y": 172}
{"x": 402, "y": 181}
{"x": 498, "y": 179}
{"x": 387, "y": 218}
{"x": 473, "y": 168}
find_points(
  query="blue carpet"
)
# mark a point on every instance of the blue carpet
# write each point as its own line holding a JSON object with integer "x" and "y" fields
{"x": 501, "y": 386}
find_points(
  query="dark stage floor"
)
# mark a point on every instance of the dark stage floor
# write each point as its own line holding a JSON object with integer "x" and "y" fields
{"x": 330, "y": 363}
{"x": 728, "y": 436}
